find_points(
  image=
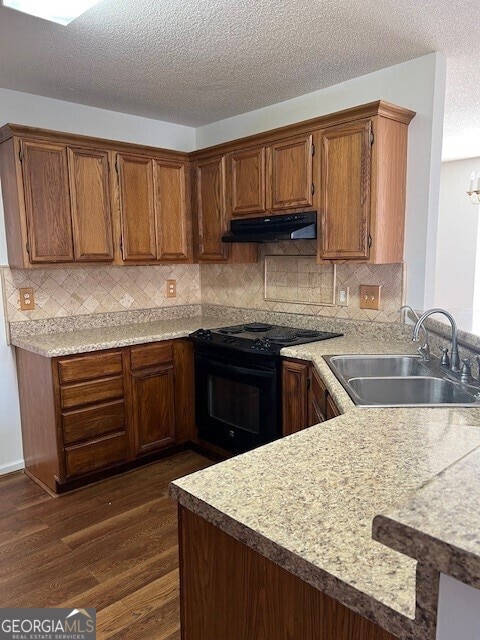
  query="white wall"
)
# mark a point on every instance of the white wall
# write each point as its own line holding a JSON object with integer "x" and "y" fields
{"x": 464, "y": 145}
{"x": 418, "y": 85}
{"x": 11, "y": 455}
{"x": 22, "y": 108}
{"x": 47, "y": 113}
{"x": 457, "y": 242}
{"x": 458, "y": 611}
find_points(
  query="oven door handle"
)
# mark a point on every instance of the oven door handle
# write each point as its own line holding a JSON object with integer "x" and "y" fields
{"x": 258, "y": 372}
{"x": 264, "y": 373}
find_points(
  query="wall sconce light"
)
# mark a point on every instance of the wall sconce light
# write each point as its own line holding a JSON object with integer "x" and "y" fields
{"x": 474, "y": 188}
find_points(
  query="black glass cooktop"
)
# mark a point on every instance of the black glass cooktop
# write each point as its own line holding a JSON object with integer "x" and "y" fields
{"x": 258, "y": 337}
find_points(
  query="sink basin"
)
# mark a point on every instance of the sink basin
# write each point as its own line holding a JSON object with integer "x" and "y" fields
{"x": 377, "y": 366}
{"x": 409, "y": 391}
{"x": 399, "y": 381}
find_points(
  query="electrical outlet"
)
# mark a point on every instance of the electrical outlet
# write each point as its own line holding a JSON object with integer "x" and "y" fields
{"x": 171, "y": 288}
{"x": 27, "y": 299}
{"x": 370, "y": 296}
{"x": 343, "y": 296}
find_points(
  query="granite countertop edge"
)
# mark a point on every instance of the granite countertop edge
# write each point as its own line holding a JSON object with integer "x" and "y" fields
{"x": 438, "y": 554}
{"x": 30, "y": 344}
{"x": 54, "y": 345}
{"x": 392, "y": 621}
{"x": 454, "y": 551}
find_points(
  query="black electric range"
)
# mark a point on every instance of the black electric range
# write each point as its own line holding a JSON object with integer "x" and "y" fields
{"x": 238, "y": 390}
{"x": 258, "y": 337}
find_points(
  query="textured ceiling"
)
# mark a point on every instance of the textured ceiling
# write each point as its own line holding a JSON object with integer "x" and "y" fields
{"x": 198, "y": 61}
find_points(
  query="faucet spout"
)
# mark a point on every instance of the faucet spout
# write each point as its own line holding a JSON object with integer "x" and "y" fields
{"x": 454, "y": 357}
{"x": 425, "y": 349}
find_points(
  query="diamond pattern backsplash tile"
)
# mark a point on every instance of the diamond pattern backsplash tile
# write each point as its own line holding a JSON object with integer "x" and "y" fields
{"x": 299, "y": 279}
{"x": 243, "y": 286}
{"x": 75, "y": 291}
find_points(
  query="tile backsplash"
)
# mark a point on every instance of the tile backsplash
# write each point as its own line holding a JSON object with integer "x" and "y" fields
{"x": 62, "y": 292}
{"x": 299, "y": 279}
{"x": 75, "y": 291}
{"x": 243, "y": 286}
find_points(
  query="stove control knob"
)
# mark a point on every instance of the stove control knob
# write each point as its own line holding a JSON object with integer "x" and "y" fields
{"x": 205, "y": 333}
{"x": 266, "y": 343}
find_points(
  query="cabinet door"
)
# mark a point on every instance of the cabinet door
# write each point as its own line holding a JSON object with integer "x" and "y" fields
{"x": 172, "y": 211}
{"x": 291, "y": 172}
{"x": 47, "y": 202}
{"x": 90, "y": 198}
{"x": 345, "y": 196}
{"x": 153, "y": 407}
{"x": 136, "y": 195}
{"x": 294, "y": 396}
{"x": 247, "y": 181}
{"x": 332, "y": 410}
{"x": 211, "y": 210}
{"x": 317, "y": 398}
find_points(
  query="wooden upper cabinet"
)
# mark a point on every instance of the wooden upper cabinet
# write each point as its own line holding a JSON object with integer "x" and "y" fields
{"x": 291, "y": 173}
{"x": 211, "y": 209}
{"x": 90, "y": 201}
{"x": 136, "y": 195}
{"x": 172, "y": 210}
{"x": 47, "y": 202}
{"x": 62, "y": 197}
{"x": 247, "y": 181}
{"x": 388, "y": 190}
{"x": 345, "y": 194}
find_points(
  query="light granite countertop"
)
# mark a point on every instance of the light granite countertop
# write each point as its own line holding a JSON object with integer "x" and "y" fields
{"x": 440, "y": 522}
{"x": 65, "y": 343}
{"x": 308, "y": 501}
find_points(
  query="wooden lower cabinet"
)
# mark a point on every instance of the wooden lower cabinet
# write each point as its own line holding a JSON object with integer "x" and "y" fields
{"x": 305, "y": 398}
{"x": 153, "y": 406}
{"x": 96, "y": 454}
{"x": 231, "y": 591}
{"x": 332, "y": 411}
{"x": 294, "y": 396}
{"x": 93, "y": 412}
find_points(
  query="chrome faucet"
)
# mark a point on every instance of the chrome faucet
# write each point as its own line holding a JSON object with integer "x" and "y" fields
{"x": 425, "y": 350}
{"x": 454, "y": 357}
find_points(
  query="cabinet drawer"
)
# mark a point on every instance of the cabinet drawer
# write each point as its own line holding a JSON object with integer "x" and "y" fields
{"x": 92, "y": 422}
{"x": 101, "y": 390}
{"x": 96, "y": 455}
{"x": 151, "y": 354}
{"x": 90, "y": 367}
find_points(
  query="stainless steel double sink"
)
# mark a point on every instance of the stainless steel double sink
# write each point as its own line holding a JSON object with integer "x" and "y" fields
{"x": 400, "y": 381}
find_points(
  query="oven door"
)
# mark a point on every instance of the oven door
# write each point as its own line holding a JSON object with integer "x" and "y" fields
{"x": 236, "y": 402}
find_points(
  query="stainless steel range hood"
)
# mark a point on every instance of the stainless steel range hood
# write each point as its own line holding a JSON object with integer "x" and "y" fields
{"x": 292, "y": 226}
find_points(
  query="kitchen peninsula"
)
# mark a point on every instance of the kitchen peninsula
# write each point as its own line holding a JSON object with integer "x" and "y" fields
{"x": 290, "y": 523}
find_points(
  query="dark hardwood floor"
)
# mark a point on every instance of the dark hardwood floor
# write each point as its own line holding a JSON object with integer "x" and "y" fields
{"x": 112, "y": 546}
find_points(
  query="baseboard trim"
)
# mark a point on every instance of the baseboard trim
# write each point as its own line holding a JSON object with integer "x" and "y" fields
{"x": 10, "y": 467}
